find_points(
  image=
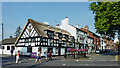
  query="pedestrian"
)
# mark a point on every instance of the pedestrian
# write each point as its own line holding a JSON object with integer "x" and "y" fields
{"x": 18, "y": 57}
{"x": 46, "y": 55}
{"x": 38, "y": 57}
{"x": 11, "y": 51}
{"x": 50, "y": 55}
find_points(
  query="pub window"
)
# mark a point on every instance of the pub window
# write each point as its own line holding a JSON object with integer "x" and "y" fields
{"x": 50, "y": 49}
{"x": 38, "y": 43}
{"x": 38, "y": 39}
{"x": 60, "y": 35}
{"x": 51, "y": 34}
{"x": 27, "y": 40}
{"x": 29, "y": 49}
{"x": 13, "y": 48}
{"x": 8, "y": 47}
{"x": 33, "y": 40}
{"x": 3, "y": 47}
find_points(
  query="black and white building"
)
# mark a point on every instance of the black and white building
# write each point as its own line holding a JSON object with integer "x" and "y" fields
{"x": 37, "y": 35}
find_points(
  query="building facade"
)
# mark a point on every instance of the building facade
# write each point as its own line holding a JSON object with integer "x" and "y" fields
{"x": 80, "y": 36}
{"x": 37, "y": 35}
{"x": 95, "y": 38}
{"x": 7, "y": 45}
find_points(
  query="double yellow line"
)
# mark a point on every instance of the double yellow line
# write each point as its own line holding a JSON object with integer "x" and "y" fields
{"x": 117, "y": 57}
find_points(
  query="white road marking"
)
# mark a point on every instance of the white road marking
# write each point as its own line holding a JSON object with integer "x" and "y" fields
{"x": 63, "y": 64}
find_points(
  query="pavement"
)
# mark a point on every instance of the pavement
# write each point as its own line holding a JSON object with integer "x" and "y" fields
{"x": 105, "y": 59}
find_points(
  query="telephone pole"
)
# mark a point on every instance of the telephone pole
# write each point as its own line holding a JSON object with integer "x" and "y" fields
{"x": 2, "y": 33}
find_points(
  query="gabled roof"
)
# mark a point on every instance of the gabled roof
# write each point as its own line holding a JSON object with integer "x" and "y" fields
{"x": 41, "y": 27}
{"x": 8, "y": 41}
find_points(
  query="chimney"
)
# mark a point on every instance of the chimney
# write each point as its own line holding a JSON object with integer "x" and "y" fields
{"x": 46, "y": 23}
{"x": 86, "y": 27}
{"x": 57, "y": 26}
{"x": 77, "y": 26}
{"x": 65, "y": 21}
{"x": 10, "y": 36}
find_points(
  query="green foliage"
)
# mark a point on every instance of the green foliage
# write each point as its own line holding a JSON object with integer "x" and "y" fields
{"x": 18, "y": 31}
{"x": 107, "y": 17}
{"x": 117, "y": 44}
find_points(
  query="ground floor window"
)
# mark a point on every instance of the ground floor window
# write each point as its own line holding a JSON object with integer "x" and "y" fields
{"x": 50, "y": 49}
{"x": 3, "y": 47}
{"x": 8, "y": 47}
{"x": 29, "y": 49}
{"x": 13, "y": 48}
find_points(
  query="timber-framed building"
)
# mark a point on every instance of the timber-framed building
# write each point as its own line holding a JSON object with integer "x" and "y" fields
{"x": 37, "y": 35}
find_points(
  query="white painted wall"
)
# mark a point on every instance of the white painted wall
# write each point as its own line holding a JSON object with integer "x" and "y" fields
{"x": 68, "y": 27}
{"x": 5, "y": 51}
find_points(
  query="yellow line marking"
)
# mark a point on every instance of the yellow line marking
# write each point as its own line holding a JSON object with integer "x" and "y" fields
{"x": 116, "y": 57}
{"x": 90, "y": 58}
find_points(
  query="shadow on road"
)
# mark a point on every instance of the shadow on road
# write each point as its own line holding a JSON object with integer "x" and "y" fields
{"x": 110, "y": 53}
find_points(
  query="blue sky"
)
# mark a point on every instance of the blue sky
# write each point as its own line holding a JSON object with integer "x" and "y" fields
{"x": 16, "y": 14}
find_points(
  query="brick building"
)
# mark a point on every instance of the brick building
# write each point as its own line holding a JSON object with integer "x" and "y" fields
{"x": 96, "y": 38}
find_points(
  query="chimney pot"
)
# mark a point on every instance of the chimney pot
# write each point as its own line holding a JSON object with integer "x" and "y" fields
{"x": 86, "y": 27}
{"x": 10, "y": 36}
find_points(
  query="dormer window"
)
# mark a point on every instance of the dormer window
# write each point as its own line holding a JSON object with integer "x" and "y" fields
{"x": 65, "y": 36}
{"x": 49, "y": 33}
{"x": 72, "y": 38}
{"x": 59, "y": 35}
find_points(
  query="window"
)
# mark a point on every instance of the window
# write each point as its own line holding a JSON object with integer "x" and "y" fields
{"x": 29, "y": 49}
{"x": 65, "y": 36}
{"x": 60, "y": 35}
{"x": 12, "y": 48}
{"x": 8, "y": 47}
{"x": 50, "y": 49}
{"x": 3, "y": 47}
{"x": 51, "y": 34}
{"x": 33, "y": 40}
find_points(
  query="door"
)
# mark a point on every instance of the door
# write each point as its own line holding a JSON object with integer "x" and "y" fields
{"x": 59, "y": 49}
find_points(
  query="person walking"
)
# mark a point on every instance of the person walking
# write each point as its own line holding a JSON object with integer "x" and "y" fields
{"x": 50, "y": 55}
{"x": 38, "y": 57}
{"x": 46, "y": 55}
{"x": 18, "y": 57}
{"x": 11, "y": 51}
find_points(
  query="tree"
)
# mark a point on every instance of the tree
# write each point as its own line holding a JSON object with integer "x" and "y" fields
{"x": 117, "y": 44}
{"x": 107, "y": 17}
{"x": 18, "y": 31}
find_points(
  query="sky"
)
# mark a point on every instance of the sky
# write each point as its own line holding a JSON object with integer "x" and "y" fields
{"x": 16, "y": 14}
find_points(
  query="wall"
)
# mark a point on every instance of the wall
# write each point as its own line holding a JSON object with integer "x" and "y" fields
{"x": 68, "y": 27}
{"x": 5, "y": 51}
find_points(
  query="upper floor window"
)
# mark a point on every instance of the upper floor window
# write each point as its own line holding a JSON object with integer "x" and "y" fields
{"x": 66, "y": 36}
{"x": 50, "y": 34}
{"x": 12, "y": 48}
{"x": 72, "y": 38}
{"x": 59, "y": 35}
{"x": 8, "y": 47}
